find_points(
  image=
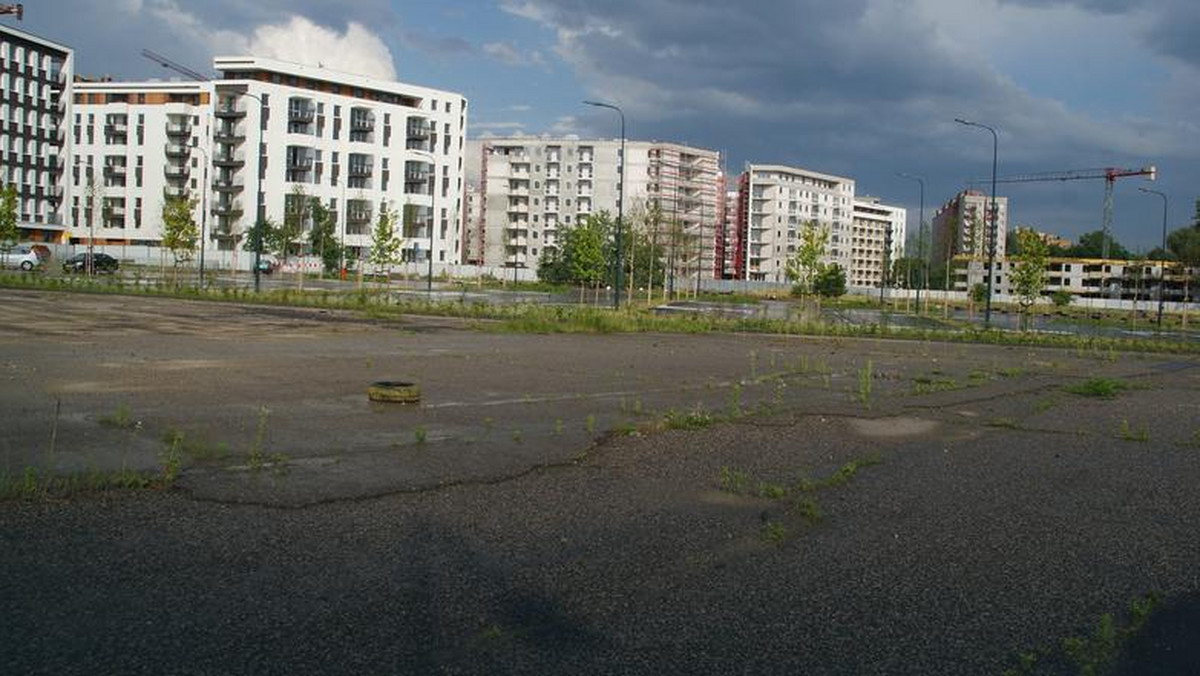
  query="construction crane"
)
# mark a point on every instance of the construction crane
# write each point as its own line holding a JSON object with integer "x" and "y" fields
{"x": 17, "y": 10}
{"x": 1109, "y": 174}
{"x": 177, "y": 67}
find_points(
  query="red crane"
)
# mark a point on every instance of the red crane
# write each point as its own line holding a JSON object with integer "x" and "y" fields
{"x": 1109, "y": 174}
{"x": 17, "y": 10}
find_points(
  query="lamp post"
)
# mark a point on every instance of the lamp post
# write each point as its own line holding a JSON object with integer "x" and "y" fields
{"x": 991, "y": 267}
{"x": 920, "y": 236}
{"x": 428, "y": 154}
{"x": 1162, "y": 276}
{"x": 258, "y": 207}
{"x": 203, "y": 208}
{"x": 620, "y": 199}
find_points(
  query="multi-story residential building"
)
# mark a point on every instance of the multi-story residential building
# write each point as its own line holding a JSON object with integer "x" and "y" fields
{"x": 725, "y": 246}
{"x": 532, "y": 187}
{"x": 353, "y": 142}
{"x": 1087, "y": 278}
{"x": 35, "y": 101}
{"x": 137, "y": 145}
{"x": 959, "y": 226}
{"x": 774, "y": 203}
{"x": 877, "y": 228}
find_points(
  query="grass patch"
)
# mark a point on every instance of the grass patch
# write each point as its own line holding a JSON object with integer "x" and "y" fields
{"x": 695, "y": 419}
{"x": 773, "y": 532}
{"x": 1101, "y": 388}
{"x": 1126, "y": 432}
{"x": 121, "y": 419}
{"x": 31, "y": 484}
{"x": 1005, "y": 423}
{"x": 932, "y": 383}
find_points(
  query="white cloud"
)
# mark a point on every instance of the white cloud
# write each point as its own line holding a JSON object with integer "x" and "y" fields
{"x": 355, "y": 50}
{"x": 511, "y": 56}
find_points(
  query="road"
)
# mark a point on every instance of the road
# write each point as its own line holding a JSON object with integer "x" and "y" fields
{"x": 529, "y": 516}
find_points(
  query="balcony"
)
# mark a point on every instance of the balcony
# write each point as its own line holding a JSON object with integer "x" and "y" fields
{"x": 174, "y": 192}
{"x": 418, "y": 131}
{"x": 300, "y": 163}
{"x": 175, "y": 129}
{"x": 114, "y": 170}
{"x": 229, "y": 112}
{"x": 518, "y": 208}
{"x": 358, "y": 216}
{"x": 116, "y": 129}
{"x": 228, "y": 160}
{"x": 359, "y": 170}
{"x": 362, "y": 123}
{"x": 176, "y": 171}
{"x": 227, "y": 186}
{"x": 228, "y": 209}
{"x": 176, "y": 151}
{"x": 228, "y": 136}
{"x": 303, "y": 114}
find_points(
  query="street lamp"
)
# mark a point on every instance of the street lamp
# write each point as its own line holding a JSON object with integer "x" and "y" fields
{"x": 620, "y": 198}
{"x": 1162, "y": 276}
{"x": 991, "y": 267}
{"x": 428, "y": 154}
{"x": 920, "y": 236}
{"x": 258, "y": 207}
{"x": 203, "y": 207}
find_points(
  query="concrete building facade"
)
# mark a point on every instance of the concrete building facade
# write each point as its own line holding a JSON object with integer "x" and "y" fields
{"x": 530, "y": 188}
{"x": 960, "y": 226}
{"x": 136, "y": 145}
{"x": 36, "y": 77}
{"x": 774, "y": 203}
{"x": 353, "y": 142}
{"x": 876, "y": 239}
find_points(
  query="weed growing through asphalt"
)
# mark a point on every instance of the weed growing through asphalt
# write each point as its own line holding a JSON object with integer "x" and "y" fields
{"x": 1095, "y": 653}
{"x": 753, "y": 365}
{"x": 931, "y": 384}
{"x": 172, "y": 458}
{"x": 773, "y": 532}
{"x": 695, "y": 419}
{"x": 1006, "y": 423}
{"x": 591, "y": 423}
{"x": 257, "y": 453}
{"x": 733, "y": 480}
{"x": 1010, "y": 372}
{"x": 806, "y": 507}
{"x": 864, "y": 384}
{"x": 558, "y": 427}
{"x": 1101, "y": 388}
{"x": 516, "y": 436}
{"x": 1127, "y": 432}
{"x": 32, "y": 485}
{"x": 121, "y": 418}
{"x": 733, "y": 407}
{"x": 420, "y": 435}
{"x": 771, "y": 491}
{"x": 1044, "y": 404}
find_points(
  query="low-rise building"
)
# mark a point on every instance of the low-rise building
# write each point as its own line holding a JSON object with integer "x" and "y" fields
{"x": 1087, "y": 278}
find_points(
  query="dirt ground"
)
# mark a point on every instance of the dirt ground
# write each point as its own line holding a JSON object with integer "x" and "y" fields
{"x": 533, "y": 515}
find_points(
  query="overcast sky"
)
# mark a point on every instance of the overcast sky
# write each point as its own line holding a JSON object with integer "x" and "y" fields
{"x": 861, "y": 88}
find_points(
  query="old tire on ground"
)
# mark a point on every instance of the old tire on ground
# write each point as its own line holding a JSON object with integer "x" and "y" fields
{"x": 397, "y": 392}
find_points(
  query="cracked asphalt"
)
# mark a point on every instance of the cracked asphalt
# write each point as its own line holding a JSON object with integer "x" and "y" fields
{"x": 528, "y": 517}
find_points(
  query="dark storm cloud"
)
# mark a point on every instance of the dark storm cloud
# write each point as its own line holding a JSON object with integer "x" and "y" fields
{"x": 864, "y": 88}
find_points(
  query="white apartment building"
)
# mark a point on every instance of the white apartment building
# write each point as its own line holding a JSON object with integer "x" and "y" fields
{"x": 353, "y": 142}
{"x": 531, "y": 187}
{"x": 35, "y": 103}
{"x": 135, "y": 146}
{"x": 877, "y": 228}
{"x": 960, "y": 226}
{"x": 774, "y": 203}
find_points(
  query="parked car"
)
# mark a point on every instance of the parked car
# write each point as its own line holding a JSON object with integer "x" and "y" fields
{"x": 20, "y": 257}
{"x": 79, "y": 263}
{"x": 266, "y": 266}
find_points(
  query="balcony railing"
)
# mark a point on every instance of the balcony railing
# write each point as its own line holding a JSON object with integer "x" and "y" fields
{"x": 175, "y": 150}
{"x": 364, "y": 123}
{"x": 229, "y": 111}
{"x": 173, "y": 171}
{"x": 231, "y": 209}
{"x": 358, "y": 216}
{"x": 359, "y": 170}
{"x": 228, "y": 136}
{"x": 299, "y": 163}
{"x": 301, "y": 114}
{"x": 114, "y": 170}
{"x": 229, "y": 160}
{"x": 179, "y": 130}
{"x": 419, "y": 130}
{"x": 228, "y": 186}
{"x": 173, "y": 192}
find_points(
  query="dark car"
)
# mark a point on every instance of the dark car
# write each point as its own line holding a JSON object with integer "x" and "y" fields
{"x": 102, "y": 263}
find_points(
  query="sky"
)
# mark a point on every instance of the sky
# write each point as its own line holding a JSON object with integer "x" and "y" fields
{"x": 858, "y": 88}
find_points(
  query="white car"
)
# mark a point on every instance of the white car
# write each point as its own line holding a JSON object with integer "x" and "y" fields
{"x": 20, "y": 257}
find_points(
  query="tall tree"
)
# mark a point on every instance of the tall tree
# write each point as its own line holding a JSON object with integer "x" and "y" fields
{"x": 385, "y": 242}
{"x": 803, "y": 268}
{"x": 9, "y": 232}
{"x": 180, "y": 232}
{"x": 323, "y": 238}
{"x": 1029, "y": 274}
{"x": 1091, "y": 245}
{"x": 288, "y": 237}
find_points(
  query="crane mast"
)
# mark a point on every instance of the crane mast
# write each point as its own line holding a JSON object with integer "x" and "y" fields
{"x": 1109, "y": 174}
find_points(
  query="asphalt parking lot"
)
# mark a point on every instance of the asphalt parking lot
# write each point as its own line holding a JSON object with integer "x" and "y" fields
{"x": 533, "y": 514}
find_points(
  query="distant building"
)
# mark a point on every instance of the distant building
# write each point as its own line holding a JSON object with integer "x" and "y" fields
{"x": 1048, "y": 238}
{"x": 532, "y": 187}
{"x": 36, "y": 79}
{"x": 960, "y": 226}
{"x": 135, "y": 146}
{"x": 774, "y": 203}
{"x": 1086, "y": 277}
{"x": 877, "y": 228}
